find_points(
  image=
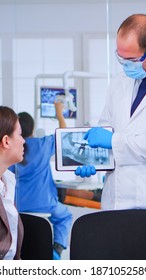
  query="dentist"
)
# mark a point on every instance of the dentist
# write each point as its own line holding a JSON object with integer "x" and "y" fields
{"x": 125, "y": 112}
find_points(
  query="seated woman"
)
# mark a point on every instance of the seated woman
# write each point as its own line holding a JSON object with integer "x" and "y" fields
{"x": 11, "y": 152}
{"x": 36, "y": 190}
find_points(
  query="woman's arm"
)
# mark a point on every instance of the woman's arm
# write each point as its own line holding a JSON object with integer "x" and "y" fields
{"x": 59, "y": 109}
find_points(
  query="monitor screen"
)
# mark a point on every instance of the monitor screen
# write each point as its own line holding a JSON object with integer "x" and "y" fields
{"x": 72, "y": 151}
{"x": 48, "y": 95}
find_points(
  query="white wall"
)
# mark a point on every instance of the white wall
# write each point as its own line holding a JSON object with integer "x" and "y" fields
{"x": 26, "y": 29}
{"x": 35, "y": 18}
{"x": 56, "y": 37}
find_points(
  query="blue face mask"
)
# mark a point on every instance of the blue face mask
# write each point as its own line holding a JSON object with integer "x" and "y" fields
{"x": 134, "y": 69}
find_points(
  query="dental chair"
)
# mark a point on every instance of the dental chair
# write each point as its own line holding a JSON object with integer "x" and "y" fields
{"x": 37, "y": 242}
{"x": 109, "y": 235}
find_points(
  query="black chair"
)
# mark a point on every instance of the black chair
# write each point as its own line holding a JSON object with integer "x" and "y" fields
{"x": 109, "y": 235}
{"x": 37, "y": 242}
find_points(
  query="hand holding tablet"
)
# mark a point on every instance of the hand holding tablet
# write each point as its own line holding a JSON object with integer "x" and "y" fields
{"x": 85, "y": 171}
{"x": 72, "y": 150}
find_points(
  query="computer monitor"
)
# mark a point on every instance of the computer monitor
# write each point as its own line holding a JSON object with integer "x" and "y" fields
{"x": 48, "y": 95}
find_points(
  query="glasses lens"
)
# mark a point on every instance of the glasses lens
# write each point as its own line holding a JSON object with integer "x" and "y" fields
{"x": 120, "y": 59}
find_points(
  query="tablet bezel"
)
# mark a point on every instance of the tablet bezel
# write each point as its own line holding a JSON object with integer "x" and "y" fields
{"x": 69, "y": 167}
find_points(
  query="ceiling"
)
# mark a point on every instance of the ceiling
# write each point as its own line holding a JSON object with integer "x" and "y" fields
{"x": 57, "y": 1}
{"x": 47, "y": 1}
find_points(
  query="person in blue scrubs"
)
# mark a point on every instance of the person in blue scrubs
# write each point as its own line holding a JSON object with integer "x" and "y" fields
{"x": 36, "y": 190}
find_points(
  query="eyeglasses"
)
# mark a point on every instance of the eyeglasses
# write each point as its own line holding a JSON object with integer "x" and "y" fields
{"x": 122, "y": 59}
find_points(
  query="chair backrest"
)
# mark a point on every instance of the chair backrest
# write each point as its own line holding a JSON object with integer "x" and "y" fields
{"x": 37, "y": 242}
{"x": 109, "y": 235}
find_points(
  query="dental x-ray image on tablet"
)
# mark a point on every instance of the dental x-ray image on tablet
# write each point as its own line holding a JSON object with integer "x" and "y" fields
{"x": 72, "y": 151}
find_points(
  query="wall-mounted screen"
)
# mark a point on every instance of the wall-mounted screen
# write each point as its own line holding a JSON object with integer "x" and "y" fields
{"x": 48, "y": 95}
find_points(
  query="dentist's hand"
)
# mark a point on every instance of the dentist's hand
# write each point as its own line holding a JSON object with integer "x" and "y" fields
{"x": 99, "y": 137}
{"x": 85, "y": 171}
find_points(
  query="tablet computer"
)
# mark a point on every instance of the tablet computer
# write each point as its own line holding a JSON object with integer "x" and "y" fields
{"x": 73, "y": 151}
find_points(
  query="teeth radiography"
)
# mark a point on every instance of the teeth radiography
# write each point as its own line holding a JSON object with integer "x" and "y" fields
{"x": 77, "y": 149}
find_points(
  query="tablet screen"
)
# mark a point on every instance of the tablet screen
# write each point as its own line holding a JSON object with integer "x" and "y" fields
{"x": 72, "y": 151}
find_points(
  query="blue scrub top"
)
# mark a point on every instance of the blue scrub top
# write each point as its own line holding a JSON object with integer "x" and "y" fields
{"x": 35, "y": 188}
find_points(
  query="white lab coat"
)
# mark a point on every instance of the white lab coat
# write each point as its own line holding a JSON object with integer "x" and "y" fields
{"x": 125, "y": 187}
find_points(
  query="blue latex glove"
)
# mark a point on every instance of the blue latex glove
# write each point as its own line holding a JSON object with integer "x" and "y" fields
{"x": 85, "y": 171}
{"x": 99, "y": 137}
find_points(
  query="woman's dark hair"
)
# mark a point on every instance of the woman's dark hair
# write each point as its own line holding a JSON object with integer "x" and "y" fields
{"x": 27, "y": 124}
{"x": 8, "y": 119}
